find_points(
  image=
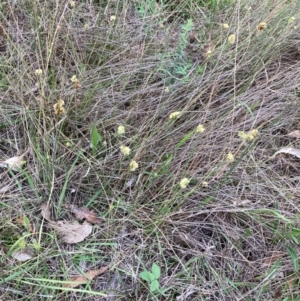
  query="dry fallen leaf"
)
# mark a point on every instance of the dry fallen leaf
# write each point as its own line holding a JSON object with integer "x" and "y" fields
{"x": 46, "y": 212}
{"x": 288, "y": 150}
{"x": 83, "y": 212}
{"x": 22, "y": 255}
{"x": 14, "y": 163}
{"x": 270, "y": 260}
{"x": 83, "y": 279}
{"x": 294, "y": 134}
{"x": 71, "y": 232}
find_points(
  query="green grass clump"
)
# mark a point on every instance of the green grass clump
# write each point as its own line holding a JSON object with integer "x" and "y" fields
{"x": 146, "y": 113}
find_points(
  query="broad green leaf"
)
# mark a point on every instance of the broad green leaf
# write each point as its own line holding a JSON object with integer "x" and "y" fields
{"x": 147, "y": 276}
{"x": 296, "y": 241}
{"x": 152, "y": 278}
{"x": 294, "y": 257}
{"x": 155, "y": 270}
{"x": 96, "y": 138}
{"x": 154, "y": 286}
{"x": 294, "y": 232}
{"x": 293, "y": 235}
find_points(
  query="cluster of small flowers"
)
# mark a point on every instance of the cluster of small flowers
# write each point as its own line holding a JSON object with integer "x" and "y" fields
{"x": 199, "y": 129}
{"x": 232, "y": 37}
{"x": 76, "y": 82}
{"x": 125, "y": 150}
{"x": 175, "y": 115}
{"x": 230, "y": 157}
{"x": 59, "y": 108}
{"x": 248, "y": 136}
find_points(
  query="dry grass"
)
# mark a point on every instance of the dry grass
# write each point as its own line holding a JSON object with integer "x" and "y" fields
{"x": 224, "y": 237}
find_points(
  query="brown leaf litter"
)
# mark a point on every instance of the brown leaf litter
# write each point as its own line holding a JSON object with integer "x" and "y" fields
{"x": 84, "y": 213}
{"x": 83, "y": 279}
{"x": 70, "y": 232}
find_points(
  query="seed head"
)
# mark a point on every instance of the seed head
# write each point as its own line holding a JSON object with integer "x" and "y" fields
{"x": 125, "y": 150}
{"x": 175, "y": 115}
{"x": 261, "y": 26}
{"x": 231, "y": 39}
{"x": 59, "y": 107}
{"x": 38, "y": 72}
{"x": 133, "y": 165}
{"x": 121, "y": 129}
{"x": 230, "y": 157}
{"x": 200, "y": 128}
{"x": 184, "y": 183}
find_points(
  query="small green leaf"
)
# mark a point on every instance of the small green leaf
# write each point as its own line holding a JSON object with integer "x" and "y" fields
{"x": 147, "y": 276}
{"x": 26, "y": 222}
{"x": 151, "y": 276}
{"x": 294, "y": 257}
{"x": 96, "y": 138}
{"x": 154, "y": 286}
{"x": 155, "y": 270}
{"x": 36, "y": 245}
{"x": 22, "y": 243}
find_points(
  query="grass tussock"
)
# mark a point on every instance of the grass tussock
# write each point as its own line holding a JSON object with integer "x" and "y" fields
{"x": 161, "y": 117}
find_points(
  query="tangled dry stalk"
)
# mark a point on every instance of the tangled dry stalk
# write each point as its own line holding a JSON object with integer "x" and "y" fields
{"x": 224, "y": 237}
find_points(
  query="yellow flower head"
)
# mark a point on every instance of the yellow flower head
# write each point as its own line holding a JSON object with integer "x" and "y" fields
{"x": 59, "y": 107}
{"x": 86, "y": 26}
{"x": 291, "y": 20}
{"x": 231, "y": 39}
{"x": 248, "y": 136}
{"x": 243, "y": 135}
{"x": 208, "y": 53}
{"x": 200, "y": 128}
{"x": 125, "y": 150}
{"x": 72, "y": 4}
{"x": 184, "y": 183}
{"x": 175, "y": 115}
{"x": 38, "y": 72}
{"x": 23, "y": 162}
{"x": 225, "y": 26}
{"x": 204, "y": 184}
{"x": 252, "y": 134}
{"x": 121, "y": 129}
{"x": 133, "y": 165}
{"x": 230, "y": 157}
{"x": 112, "y": 18}
{"x": 74, "y": 79}
{"x": 261, "y": 26}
